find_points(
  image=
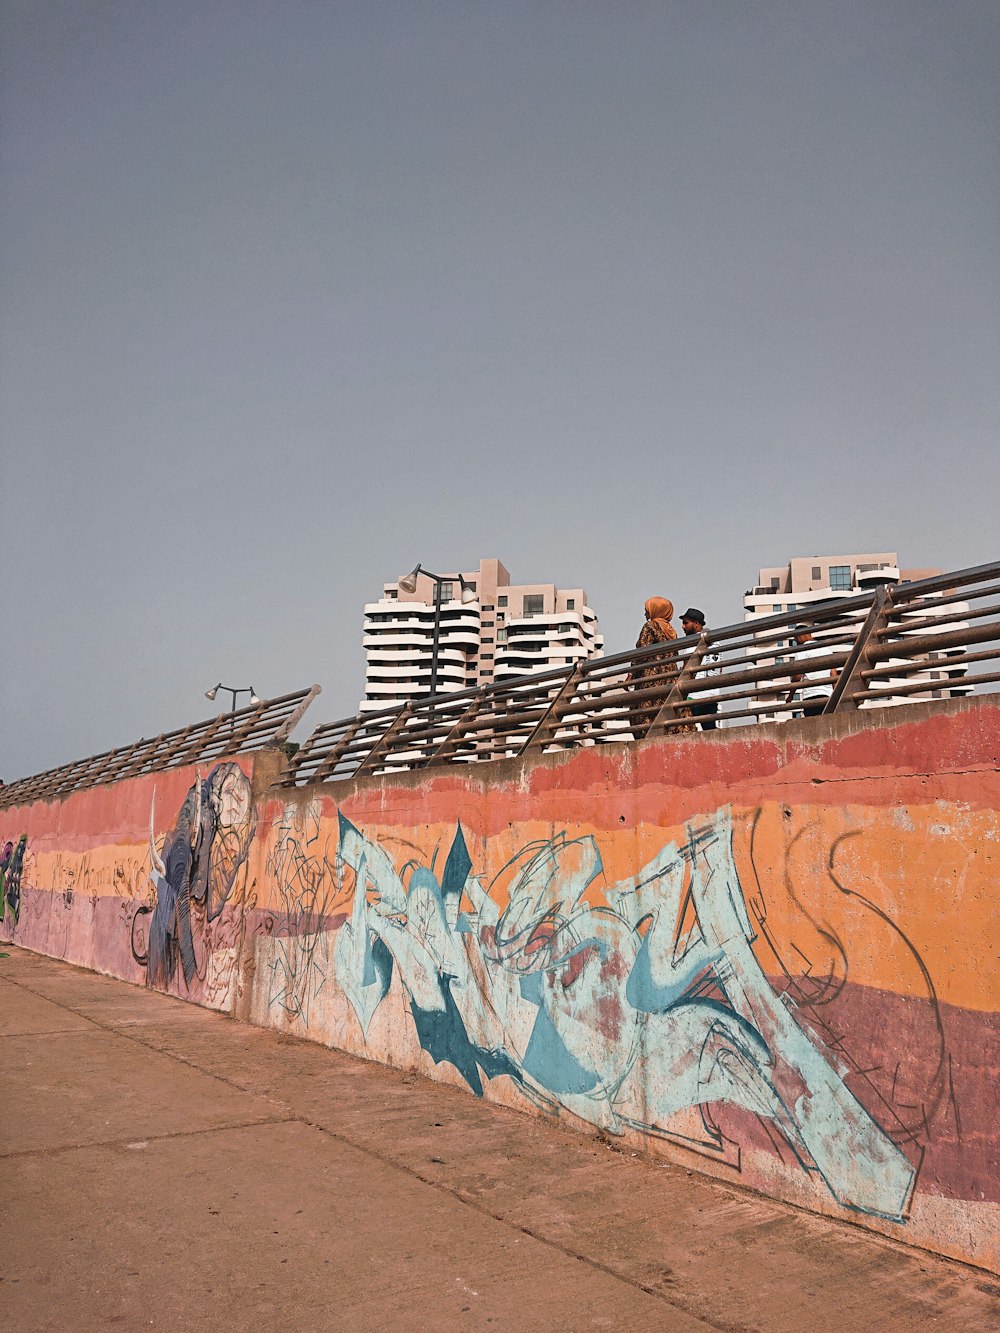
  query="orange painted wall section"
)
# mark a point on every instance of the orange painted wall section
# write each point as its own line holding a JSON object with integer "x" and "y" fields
{"x": 771, "y": 954}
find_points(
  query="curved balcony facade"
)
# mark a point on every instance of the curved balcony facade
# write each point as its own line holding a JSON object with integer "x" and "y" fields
{"x": 548, "y": 641}
{"x": 509, "y": 630}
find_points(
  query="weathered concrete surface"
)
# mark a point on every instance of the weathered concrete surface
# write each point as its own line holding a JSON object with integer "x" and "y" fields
{"x": 767, "y": 954}
{"x": 163, "y": 1167}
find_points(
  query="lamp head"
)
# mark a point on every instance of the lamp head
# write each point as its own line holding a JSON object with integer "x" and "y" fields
{"x": 253, "y": 697}
{"x": 408, "y": 583}
{"x": 469, "y": 593}
{"x": 210, "y": 694}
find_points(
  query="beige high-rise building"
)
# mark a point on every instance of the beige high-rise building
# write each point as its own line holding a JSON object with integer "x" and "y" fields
{"x": 501, "y": 630}
{"x": 809, "y": 580}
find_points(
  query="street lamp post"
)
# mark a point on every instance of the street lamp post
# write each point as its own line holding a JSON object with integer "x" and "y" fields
{"x": 247, "y": 689}
{"x": 408, "y": 583}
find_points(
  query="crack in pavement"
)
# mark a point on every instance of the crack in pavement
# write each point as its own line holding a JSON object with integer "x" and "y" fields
{"x": 49, "y": 1032}
{"x": 131, "y": 1139}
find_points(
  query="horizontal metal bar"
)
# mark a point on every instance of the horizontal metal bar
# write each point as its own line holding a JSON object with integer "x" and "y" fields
{"x": 931, "y": 686}
{"x": 941, "y": 664}
{"x": 900, "y": 626}
{"x": 906, "y": 647}
{"x": 945, "y": 582}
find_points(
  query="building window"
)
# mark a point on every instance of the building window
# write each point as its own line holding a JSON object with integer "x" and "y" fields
{"x": 776, "y": 606}
{"x": 392, "y": 594}
{"x": 486, "y": 639}
{"x": 817, "y": 572}
{"x": 501, "y": 636}
{"x": 471, "y": 583}
{"x": 534, "y": 605}
{"x": 775, "y": 584}
{"x": 570, "y": 603}
{"x": 447, "y": 592}
{"x": 486, "y": 657}
{"x": 501, "y": 601}
{"x": 840, "y": 578}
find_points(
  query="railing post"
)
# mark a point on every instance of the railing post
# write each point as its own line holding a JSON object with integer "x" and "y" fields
{"x": 454, "y": 737}
{"x": 840, "y": 701}
{"x": 295, "y": 717}
{"x": 140, "y": 753}
{"x": 198, "y": 738}
{"x": 547, "y": 724}
{"x": 326, "y": 766}
{"x": 384, "y": 741}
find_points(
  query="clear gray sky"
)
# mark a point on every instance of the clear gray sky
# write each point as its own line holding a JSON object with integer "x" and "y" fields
{"x": 638, "y": 296}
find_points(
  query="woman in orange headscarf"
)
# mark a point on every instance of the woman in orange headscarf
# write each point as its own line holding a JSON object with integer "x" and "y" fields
{"x": 657, "y": 629}
{"x": 657, "y": 670}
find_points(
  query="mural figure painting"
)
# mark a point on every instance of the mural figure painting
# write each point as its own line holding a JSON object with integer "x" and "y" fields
{"x": 308, "y": 909}
{"x": 11, "y": 869}
{"x": 195, "y": 876}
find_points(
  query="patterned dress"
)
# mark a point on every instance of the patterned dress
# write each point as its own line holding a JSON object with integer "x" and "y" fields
{"x": 659, "y": 670}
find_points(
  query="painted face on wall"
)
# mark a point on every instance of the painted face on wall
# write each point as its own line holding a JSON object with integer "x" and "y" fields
{"x": 231, "y": 799}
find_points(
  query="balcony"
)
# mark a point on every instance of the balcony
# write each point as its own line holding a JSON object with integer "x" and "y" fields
{"x": 866, "y": 577}
{"x": 401, "y": 670}
{"x": 529, "y": 653}
{"x": 543, "y": 619}
{"x": 420, "y": 640}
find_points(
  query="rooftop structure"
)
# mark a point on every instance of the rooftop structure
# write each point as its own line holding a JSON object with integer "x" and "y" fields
{"x": 508, "y": 630}
{"x": 809, "y": 579}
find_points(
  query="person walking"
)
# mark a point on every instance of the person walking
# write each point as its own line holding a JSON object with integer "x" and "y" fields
{"x": 657, "y": 629}
{"x": 704, "y": 706}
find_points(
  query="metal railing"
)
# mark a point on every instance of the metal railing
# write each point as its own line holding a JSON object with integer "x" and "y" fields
{"x": 266, "y": 723}
{"x": 936, "y": 638}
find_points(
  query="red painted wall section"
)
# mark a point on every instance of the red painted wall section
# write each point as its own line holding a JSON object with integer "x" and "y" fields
{"x": 771, "y": 954}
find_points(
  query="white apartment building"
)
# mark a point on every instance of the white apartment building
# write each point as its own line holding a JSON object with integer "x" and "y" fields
{"x": 499, "y": 631}
{"x": 808, "y": 581}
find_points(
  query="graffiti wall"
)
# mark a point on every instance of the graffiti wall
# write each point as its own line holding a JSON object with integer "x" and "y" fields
{"x": 771, "y": 956}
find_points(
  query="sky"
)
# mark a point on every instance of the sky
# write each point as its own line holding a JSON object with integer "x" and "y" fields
{"x": 635, "y": 296}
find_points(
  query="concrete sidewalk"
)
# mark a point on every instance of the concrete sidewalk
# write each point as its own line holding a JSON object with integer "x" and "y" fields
{"x": 163, "y": 1167}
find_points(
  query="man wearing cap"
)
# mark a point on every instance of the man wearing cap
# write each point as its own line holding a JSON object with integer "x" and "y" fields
{"x": 704, "y": 706}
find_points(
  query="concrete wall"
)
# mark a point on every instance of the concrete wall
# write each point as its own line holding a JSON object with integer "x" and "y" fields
{"x": 770, "y": 954}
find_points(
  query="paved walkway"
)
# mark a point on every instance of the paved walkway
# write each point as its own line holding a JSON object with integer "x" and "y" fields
{"x": 165, "y": 1168}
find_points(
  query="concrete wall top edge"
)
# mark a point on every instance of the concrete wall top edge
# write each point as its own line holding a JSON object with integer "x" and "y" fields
{"x": 968, "y": 731}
